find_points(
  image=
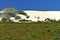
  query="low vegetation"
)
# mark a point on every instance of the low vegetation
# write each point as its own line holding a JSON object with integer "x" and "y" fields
{"x": 30, "y": 31}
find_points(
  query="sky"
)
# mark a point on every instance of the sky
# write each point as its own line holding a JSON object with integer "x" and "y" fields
{"x": 45, "y": 5}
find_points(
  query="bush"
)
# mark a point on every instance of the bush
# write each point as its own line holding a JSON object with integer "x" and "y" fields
{"x": 4, "y": 20}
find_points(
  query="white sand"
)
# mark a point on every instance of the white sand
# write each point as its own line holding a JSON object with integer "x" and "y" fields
{"x": 43, "y": 15}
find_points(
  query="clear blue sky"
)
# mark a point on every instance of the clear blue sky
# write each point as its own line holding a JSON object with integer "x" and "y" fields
{"x": 31, "y": 4}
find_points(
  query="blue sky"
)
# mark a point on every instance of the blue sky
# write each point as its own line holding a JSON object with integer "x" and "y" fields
{"x": 31, "y": 4}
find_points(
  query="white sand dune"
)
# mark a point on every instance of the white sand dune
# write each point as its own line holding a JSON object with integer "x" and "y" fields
{"x": 43, "y": 15}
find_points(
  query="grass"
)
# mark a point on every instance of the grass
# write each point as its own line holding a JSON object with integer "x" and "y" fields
{"x": 30, "y": 31}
